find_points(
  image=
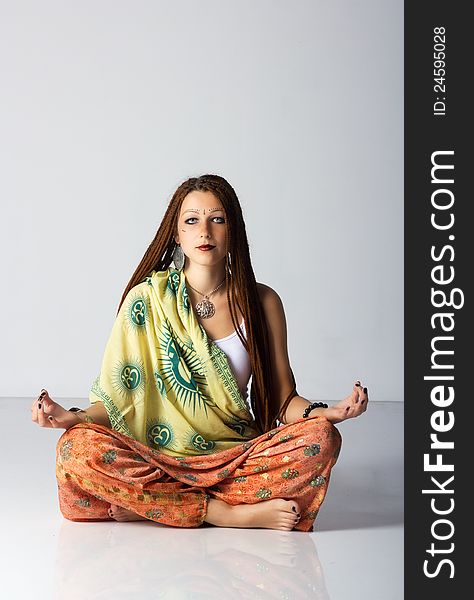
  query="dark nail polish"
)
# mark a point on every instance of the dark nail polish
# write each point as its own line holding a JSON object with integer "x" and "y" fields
{"x": 39, "y": 405}
{"x": 357, "y": 384}
{"x": 365, "y": 390}
{"x": 50, "y": 418}
{"x": 293, "y": 509}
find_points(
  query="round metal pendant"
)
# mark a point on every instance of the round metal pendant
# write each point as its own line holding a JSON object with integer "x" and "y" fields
{"x": 205, "y": 309}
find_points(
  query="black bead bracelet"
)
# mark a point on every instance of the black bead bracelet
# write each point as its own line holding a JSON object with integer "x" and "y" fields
{"x": 310, "y": 407}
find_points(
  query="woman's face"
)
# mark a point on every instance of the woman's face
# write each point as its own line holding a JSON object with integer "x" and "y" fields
{"x": 202, "y": 221}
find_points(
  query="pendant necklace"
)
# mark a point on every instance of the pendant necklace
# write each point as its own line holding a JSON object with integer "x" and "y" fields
{"x": 206, "y": 309}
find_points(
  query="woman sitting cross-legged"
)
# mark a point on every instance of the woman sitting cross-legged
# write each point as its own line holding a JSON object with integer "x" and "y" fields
{"x": 171, "y": 435}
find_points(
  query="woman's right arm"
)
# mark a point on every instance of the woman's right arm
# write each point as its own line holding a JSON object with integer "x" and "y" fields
{"x": 48, "y": 413}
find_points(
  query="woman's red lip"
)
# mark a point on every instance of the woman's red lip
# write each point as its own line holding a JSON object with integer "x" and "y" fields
{"x": 205, "y": 247}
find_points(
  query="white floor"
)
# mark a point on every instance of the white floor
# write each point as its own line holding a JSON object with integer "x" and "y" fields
{"x": 355, "y": 552}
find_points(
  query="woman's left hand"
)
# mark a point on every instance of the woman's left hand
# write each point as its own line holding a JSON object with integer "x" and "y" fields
{"x": 354, "y": 405}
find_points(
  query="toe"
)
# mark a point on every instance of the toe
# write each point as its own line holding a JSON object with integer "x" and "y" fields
{"x": 295, "y": 507}
{"x": 292, "y": 523}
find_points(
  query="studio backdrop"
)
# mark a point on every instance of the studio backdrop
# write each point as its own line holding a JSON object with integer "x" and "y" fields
{"x": 107, "y": 106}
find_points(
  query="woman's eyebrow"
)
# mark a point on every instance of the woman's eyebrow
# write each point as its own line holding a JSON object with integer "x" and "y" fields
{"x": 198, "y": 210}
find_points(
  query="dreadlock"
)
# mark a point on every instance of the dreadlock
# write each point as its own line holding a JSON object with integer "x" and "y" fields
{"x": 240, "y": 280}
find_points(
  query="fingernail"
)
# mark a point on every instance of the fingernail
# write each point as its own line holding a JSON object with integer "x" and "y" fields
{"x": 293, "y": 509}
{"x": 365, "y": 390}
{"x": 50, "y": 418}
{"x": 348, "y": 408}
{"x": 357, "y": 383}
{"x": 39, "y": 404}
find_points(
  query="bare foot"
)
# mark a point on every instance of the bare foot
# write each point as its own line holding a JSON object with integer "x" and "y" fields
{"x": 122, "y": 514}
{"x": 269, "y": 514}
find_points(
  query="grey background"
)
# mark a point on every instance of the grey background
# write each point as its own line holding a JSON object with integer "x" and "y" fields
{"x": 106, "y": 107}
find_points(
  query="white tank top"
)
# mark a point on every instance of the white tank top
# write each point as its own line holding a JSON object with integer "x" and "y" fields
{"x": 238, "y": 357}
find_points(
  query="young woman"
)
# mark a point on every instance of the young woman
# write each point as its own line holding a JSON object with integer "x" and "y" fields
{"x": 171, "y": 435}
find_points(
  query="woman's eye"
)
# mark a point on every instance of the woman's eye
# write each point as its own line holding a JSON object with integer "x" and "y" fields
{"x": 195, "y": 219}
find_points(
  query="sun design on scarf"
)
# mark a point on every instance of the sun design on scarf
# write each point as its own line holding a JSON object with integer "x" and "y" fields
{"x": 159, "y": 432}
{"x": 181, "y": 372}
{"x": 238, "y": 425}
{"x": 129, "y": 377}
{"x": 137, "y": 312}
{"x": 196, "y": 443}
{"x": 172, "y": 283}
{"x": 172, "y": 290}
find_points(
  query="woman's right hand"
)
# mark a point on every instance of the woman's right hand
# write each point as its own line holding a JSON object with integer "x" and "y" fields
{"x": 48, "y": 413}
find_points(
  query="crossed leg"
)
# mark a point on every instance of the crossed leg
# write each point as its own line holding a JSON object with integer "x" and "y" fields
{"x": 284, "y": 475}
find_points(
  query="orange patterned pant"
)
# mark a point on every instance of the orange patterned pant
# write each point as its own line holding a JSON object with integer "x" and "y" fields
{"x": 97, "y": 466}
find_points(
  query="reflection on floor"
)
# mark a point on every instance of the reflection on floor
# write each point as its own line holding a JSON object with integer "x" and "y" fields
{"x": 355, "y": 552}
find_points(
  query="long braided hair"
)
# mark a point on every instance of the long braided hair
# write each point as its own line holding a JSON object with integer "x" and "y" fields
{"x": 240, "y": 280}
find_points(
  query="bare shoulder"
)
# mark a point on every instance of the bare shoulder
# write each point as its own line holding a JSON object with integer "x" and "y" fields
{"x": 265, "y": 290}
{"x": 277, "y": 340}
{"x": 271, "y": 301}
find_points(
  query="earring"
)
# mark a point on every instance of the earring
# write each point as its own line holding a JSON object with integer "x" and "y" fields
{"x": 178, "y": 257}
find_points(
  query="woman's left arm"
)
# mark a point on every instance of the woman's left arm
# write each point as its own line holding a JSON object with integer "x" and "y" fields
{"x": 352, "y": 406}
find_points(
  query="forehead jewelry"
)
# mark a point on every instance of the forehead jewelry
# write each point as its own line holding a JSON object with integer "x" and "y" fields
{"x": 206, "y": 309}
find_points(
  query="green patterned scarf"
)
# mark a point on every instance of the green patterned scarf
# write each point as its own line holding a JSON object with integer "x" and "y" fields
{"x": 163, "y": 381}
